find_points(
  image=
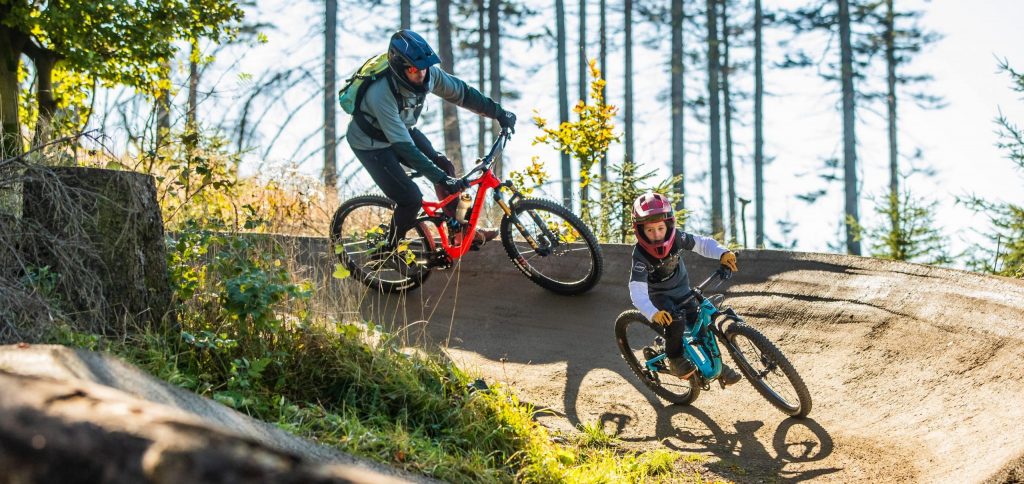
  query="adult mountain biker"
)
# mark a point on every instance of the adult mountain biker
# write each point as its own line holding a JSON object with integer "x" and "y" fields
{"x": 658, "y": 282}
{"x": 383, "y": 134}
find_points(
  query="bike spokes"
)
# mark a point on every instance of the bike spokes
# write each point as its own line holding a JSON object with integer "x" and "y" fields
{"x": 769, "y": 370}
{"x": 639, "y": 343}
{"x": 552, "y": 246}
{"x": 359, "y": 236}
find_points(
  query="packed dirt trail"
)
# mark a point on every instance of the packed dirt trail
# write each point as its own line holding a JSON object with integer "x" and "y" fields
{"x": 915, "y": 371}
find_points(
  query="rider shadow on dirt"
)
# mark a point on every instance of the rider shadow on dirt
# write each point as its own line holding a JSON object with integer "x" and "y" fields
{"x": 492, "y": 311}
{"x": 742, "y": 456}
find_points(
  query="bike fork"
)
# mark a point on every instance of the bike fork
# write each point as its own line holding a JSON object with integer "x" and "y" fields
{"x": 515, "y": 220}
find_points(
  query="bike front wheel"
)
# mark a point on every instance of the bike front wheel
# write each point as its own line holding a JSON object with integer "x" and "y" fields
{"x": 567, "y": 258}
{"x": 358, "y": 232}
{"x": 768, "y": 370}
{"x": 635, "y": 335}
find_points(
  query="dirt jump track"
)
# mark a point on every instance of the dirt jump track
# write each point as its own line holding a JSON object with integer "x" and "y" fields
{"x": 917, "y": 373}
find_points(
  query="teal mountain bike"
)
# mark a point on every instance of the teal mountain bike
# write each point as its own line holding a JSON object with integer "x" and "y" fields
{"x": 642, "y": 345}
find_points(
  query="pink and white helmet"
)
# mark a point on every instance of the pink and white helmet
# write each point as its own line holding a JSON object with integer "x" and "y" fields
{"x": 653, "y": 207}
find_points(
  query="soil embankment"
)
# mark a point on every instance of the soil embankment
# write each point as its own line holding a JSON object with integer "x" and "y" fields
{"x": 916, "y": 371}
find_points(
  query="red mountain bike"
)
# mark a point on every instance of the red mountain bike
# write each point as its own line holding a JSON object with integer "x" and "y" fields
{"x": 547, "y": 242}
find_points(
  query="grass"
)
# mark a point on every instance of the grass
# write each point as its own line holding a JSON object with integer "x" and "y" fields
{"x": 248, "y": 339}
{"x": 419, "y": 412}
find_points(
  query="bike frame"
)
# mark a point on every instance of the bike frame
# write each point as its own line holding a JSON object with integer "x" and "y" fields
{"x": 700, "y": 344}
{"x": 484, "y": 183}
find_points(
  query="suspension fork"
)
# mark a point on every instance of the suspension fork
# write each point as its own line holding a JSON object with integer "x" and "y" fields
{"x": 505, "y": 207}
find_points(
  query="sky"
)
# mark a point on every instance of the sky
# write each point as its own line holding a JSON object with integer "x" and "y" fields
{"x": 802, "y": 124}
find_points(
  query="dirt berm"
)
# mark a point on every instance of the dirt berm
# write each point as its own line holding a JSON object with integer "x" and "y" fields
{"x": 917, "y": 373}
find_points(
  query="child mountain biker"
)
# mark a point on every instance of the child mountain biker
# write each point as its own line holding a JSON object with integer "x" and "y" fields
{"x": 658, "y": 283}
{"x": 382, "y": 133}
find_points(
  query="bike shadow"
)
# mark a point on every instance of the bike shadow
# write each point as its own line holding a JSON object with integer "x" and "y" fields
{"x": 741, "y": 455}
{"x": 508, "y": 321}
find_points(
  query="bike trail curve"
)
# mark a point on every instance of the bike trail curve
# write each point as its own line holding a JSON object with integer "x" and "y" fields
{"x": 916, "y": 372}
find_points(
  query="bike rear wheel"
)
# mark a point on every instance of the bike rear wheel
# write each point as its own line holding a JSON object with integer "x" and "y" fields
{"x": 358, "y": 232}
{"x": 769, "y": 370}
{"x": 568, "y": 259}
{"x": 635, "y": 336}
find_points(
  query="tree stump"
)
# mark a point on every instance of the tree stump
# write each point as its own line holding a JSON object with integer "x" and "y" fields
{"x": 101, "y": 231}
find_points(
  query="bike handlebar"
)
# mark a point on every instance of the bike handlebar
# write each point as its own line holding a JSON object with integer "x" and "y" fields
{"x": 722, "y": 274}
{"x": 496, "y": 147}
{"x": 486, "y": 161}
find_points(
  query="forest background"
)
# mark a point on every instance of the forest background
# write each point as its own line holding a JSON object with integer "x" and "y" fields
{"x": 264, "y": 92}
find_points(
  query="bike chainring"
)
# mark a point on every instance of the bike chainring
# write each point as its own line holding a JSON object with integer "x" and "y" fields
{"x": 438, "y": 259}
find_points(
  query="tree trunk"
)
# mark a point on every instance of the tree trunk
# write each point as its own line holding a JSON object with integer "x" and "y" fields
{"x": 584, "y": 190}
{"x": 44, "y": 60}
{"x": 849, "y": 136}
{"x": 405, "y": 20}
{"x": 11, "y": 44}
{"x": 450, "y": 113}
{"x": 481, "y": 58}
{"x": 716, "y": 149}
{"x": 727, "y": 106}
{"x": 604, "y": 73}
{"x": 563, "y": 98}
{"x": 628, "y": 74}
{"x": 163, "y": 110}
{"x": 102, "y": 231}
{"x": 191, "y": 125}
{"x": 890, "y": 61}
{"x": 583, "y": 51}
{"x": 330, "y": 124}
{"x": 758, "y": 129}
{"x": 494, "y": 48}
{"x": 678, "y": 101}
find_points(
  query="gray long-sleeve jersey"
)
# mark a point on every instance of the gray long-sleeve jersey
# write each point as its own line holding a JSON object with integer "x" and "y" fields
{"x": 652, "y": 278}
{"x": 382, "y": 110}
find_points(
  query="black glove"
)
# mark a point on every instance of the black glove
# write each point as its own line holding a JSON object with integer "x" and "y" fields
{"x": 507, "y": 119}
{"x": 455, "y": 184}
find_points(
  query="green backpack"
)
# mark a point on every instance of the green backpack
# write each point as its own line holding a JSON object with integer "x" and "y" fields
{"x": 351, "y": 93}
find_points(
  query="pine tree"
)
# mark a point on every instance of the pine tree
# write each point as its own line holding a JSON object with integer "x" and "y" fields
{"x": 727, "y": 106}
{"x": 859, "y": 48}
{"x": 758, "y": 128}
{"x": 899, "y": 44}
{"x": 717, "y": 228}
{"x": 563, "y": 98}
{"x": 1006, "y": 257}
{"x": 405, "y": 14}
{"x": 849, "y": 128}
{"x": 678, "y": 89}
{"x": 915, "y": 239}
{"x": 330, "y": 171}
{"x": 628, "y": 81}
{"x": 450, "y": 114}
{"x": 603, "y": 66}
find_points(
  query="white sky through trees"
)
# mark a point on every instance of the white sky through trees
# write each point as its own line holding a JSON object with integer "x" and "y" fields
{"x": 802, "y": 120}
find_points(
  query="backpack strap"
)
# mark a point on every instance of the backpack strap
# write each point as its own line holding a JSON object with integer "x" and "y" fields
{"x": 361, "y": 118}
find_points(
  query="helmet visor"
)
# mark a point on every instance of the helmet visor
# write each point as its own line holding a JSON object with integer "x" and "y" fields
{"x": 656, "y": 217}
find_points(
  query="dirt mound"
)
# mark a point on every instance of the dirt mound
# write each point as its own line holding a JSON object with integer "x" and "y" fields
{"x": 916, "y": 372}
